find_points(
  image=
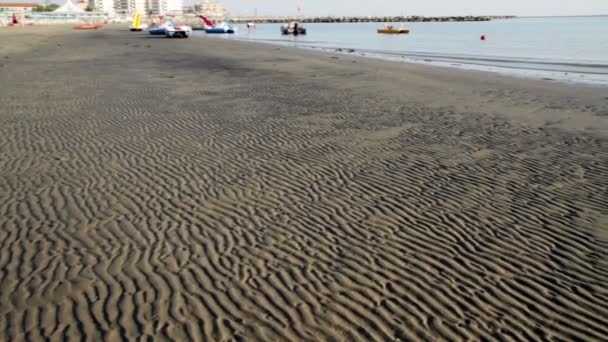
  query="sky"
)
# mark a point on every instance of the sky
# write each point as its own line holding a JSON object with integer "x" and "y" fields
{"x": 417, "y": 7}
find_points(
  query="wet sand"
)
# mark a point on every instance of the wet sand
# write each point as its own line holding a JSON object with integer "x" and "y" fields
{"x": 204, "y": 189}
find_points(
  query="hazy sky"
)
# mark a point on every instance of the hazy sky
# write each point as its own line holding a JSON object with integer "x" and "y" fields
{"x": 418, "y": 7}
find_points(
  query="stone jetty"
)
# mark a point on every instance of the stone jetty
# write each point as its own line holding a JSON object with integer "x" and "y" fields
{"x": 364, "y": 19}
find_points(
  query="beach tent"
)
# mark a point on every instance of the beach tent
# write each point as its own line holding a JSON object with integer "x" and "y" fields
{"x": 69, "y": 7}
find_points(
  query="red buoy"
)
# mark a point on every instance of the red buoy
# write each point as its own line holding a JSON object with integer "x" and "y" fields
{"x": 483, "y": 37}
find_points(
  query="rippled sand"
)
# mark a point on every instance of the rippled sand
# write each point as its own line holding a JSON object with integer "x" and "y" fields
{"x": 210, "y": 190}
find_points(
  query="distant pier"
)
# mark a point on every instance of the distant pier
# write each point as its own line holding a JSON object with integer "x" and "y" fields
{"x": 365, "y": 19}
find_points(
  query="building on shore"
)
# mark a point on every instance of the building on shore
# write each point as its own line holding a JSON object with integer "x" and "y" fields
{"x": 146, "y": 7}
{"x": 83, "y": 4}
{"x": 212, "y": 10}
{"x": 106, "y": 6}
{"x": 174, "y": 7}
{"x": 17, "y": 7}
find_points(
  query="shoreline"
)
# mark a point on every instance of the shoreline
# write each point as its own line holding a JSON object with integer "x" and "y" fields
{"x": 209, "y": 189}
{"x": 595, "y": 79}
{"x": 567, "y": 71}
{"x": 522, "y": 63}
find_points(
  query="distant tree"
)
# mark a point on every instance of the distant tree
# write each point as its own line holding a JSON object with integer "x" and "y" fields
{"x": 90, "y": 8}
{"x": 48, "y": 8}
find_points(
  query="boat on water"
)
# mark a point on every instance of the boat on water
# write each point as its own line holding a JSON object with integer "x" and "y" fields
{"x": 293, "y": 28}
{"x": 136, "y": 25}
{"x": 393, "y": 30}
{"x": 90, "y": 26}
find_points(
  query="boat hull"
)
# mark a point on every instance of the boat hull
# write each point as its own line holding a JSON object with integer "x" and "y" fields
{"x": 158, "y": 31}
{"x": 393, "y": 31}
{"x": 88, "y": 26}
{"x": 293, "y": 32}
{"x": 138, "y": 28}
{"x": 219, "y": 31}
{"x": 179, "y": 32}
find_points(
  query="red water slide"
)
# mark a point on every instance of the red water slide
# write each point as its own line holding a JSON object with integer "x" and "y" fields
{"x": 207, "y": 21}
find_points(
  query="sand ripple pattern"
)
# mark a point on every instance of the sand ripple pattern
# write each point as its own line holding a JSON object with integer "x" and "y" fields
{"x": 184, "y": 197}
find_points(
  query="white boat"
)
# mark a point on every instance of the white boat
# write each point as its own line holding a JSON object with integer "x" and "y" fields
{"x": 182, "y": 31}
{"x": 171, "y": 30}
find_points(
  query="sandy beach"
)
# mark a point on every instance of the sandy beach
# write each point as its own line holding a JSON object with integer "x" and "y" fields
{"x": 211, "y": 190}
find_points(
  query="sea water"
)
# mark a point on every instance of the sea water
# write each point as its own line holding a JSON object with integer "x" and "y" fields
{"x": 573, "y": 49}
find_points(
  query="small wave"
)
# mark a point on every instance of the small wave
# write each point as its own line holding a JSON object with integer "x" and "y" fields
{"x": 505, "y": 62}
{"x": 587, "y": 67}
{"x": 495, "y": 59}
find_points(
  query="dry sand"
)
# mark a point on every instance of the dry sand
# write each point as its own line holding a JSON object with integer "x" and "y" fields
{"x": 204, "y": 189}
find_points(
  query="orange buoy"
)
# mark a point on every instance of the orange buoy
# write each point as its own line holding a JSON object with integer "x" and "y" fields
{"x": 483, "y": 37}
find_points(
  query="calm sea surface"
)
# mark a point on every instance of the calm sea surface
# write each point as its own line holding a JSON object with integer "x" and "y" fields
{"x": 566, "y": 49}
